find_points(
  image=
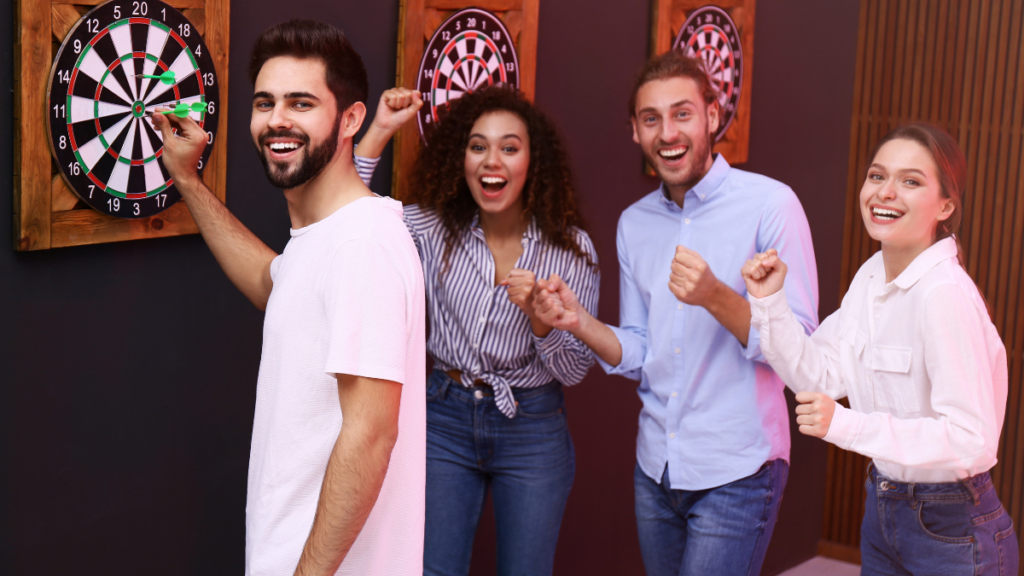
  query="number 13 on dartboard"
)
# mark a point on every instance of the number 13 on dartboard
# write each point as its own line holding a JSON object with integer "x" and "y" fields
{"x": 118, "y": 64}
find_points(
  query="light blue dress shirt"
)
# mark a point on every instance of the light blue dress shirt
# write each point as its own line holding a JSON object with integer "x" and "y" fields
{"x": 713, "y": 411}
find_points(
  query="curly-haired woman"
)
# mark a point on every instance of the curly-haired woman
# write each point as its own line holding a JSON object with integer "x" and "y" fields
{"x": 494, "y": 213}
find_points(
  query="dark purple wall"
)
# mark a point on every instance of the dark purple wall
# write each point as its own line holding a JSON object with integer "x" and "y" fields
{"x": 127, "y": 371}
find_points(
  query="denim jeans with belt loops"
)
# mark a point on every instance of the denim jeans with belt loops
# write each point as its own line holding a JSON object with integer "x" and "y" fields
{"x": 942, "y": 529}
{"x": 528, "y": 463}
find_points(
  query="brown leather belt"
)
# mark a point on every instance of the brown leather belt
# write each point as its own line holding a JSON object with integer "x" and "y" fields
{"x": 457, "y": 376}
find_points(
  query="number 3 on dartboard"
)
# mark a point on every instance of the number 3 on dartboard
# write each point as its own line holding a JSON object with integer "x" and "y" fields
{"x": 115, "y": 66}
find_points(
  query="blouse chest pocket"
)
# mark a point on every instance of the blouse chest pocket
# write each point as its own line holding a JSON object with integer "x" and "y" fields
{"x": 894, "y": 385}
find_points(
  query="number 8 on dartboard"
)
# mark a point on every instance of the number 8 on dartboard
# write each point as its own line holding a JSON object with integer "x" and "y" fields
{"x": 118, "y": 64}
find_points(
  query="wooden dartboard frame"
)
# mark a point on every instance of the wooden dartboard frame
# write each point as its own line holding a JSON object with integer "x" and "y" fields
{"x": 417, "y": 22}
{"x": 46, "y": 213}
{"x": 668, "y": 16}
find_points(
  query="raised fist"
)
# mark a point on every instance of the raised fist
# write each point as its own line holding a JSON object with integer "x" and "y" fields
{"x": 764, "y": 274}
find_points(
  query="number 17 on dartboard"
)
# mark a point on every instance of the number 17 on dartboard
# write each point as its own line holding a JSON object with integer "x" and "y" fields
{"x": 118, "y": 64}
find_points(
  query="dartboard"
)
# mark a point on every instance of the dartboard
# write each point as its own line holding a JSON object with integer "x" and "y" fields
{"x": 472, "y": 49}
{"x": 711, "y": 35}
{"x": 121, "y": 61}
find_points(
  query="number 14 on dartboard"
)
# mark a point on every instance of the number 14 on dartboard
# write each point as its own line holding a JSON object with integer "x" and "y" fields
{"x": 119, "y": 63}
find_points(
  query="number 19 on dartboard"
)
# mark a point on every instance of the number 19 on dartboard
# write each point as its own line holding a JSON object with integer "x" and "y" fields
{"x": 118, "y": 64}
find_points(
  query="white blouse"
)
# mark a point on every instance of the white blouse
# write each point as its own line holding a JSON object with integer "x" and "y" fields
{"x": 919, "y": 358}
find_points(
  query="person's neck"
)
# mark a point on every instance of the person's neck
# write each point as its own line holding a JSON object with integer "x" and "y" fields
{"x": 337, "y": 185}
{"x": 506, "y": 226}
{"x": 897, "y": 258}
{"x": 677, "y": 192}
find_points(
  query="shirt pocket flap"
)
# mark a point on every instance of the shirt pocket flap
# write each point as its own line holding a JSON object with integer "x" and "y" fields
{"x": 854, "y": 337}
{"x": 891, "y": 358}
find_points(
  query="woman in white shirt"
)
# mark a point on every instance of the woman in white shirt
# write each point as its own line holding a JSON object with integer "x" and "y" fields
{"x": 913, "y": 348}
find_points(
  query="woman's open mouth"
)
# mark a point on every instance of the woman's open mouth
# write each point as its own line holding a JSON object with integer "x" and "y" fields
{"x": 493, "y": 185}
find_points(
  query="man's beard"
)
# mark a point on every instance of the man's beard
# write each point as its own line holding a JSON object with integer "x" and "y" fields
{"x": 310, "y": 163}
{"x": 692, "y": 170}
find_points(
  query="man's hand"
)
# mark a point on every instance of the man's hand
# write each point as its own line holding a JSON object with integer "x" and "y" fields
{"x": 691, "y": 280}
{"x": 396, "y": 107}
{"x": 184, "y": 142}
{"x": 556, "y": 305}
{"x": 814, "y": 414}
{"x": 765, "y": 274}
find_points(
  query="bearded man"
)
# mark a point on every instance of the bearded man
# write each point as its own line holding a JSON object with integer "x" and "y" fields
{"x": 338, "y": 460}
{"x": 713, "y": 442}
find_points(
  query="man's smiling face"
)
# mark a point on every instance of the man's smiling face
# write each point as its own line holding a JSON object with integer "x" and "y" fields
{"x": 674, "y": 126}
{"x": 295, "y": 120}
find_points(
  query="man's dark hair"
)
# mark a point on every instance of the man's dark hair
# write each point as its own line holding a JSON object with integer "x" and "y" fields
{"x": 674, "y": 64}
{"x": 346, "y": 75}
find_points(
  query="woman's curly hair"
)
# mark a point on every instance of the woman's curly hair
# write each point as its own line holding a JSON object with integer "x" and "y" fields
{"x": 548, "y": 194}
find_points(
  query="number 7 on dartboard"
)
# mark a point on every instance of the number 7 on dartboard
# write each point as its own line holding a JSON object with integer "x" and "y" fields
{"x": 118, "y": 64}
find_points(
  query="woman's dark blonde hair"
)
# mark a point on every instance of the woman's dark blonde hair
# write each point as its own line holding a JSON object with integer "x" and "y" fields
{"x": 952, "y": 166}
{"x": 549, "y": 196}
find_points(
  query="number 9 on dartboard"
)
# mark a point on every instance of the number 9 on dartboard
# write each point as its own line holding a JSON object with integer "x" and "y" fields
{"x": 119, "y": 63}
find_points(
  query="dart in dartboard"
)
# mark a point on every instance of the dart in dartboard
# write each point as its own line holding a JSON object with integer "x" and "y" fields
{"x": 123, "y": 62}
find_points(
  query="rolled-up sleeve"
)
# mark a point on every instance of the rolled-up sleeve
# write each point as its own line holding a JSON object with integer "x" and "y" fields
{"x": 633, "y": 312}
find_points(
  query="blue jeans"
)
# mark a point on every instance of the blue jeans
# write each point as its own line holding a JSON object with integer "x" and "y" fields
{"x": 945, "y": 529}
{"x": 528, "y": 462}
{"x": 722, "y": 531}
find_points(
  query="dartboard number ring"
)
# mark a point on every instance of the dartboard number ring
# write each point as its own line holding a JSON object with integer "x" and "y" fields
{"x": 470, "y": 50}
{"x": 710, "y": 34}
{"x": 119, "y": 63}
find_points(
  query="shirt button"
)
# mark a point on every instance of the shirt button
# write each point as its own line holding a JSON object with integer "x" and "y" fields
{"x": 687, "y": 220}
{"x": 701, "y": 196}
{"x": 482, "y": 320}
{"x": 672, "y": 435}
{"x": 678, "y": 350}
{"x": 674, "y": 394}
{"x": 478, "y": 395}
{"x": 680, "y": 306}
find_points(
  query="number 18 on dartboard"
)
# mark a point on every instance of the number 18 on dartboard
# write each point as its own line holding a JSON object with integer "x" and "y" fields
{"x": 118, "y": 64}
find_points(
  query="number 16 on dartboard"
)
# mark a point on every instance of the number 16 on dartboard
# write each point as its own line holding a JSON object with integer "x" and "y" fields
{"x": 118, "y": 64}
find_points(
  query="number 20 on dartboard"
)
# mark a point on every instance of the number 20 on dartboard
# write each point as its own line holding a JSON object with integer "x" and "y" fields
{"x": 121, "y": 61}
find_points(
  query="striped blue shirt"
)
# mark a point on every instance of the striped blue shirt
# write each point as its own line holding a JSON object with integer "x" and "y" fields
{"x": 475, "y": 328}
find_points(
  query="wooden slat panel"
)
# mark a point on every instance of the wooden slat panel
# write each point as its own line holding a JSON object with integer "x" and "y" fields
{"x": 78, "y": 227}
{"x": 179, "y": 4}
{"x": 958, "y": 64}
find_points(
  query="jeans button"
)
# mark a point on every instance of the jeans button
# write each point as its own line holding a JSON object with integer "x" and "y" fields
{"x": 883, "y": 485}
{"x": 478, "y": 395}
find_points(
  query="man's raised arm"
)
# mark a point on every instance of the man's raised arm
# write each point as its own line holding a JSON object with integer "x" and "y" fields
{"x": 243, "y": 257}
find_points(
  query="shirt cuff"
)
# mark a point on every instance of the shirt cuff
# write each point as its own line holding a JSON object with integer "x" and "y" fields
{"x": 620, "y": 369}
{"x": 550, "y": 343}
{"x": 844, "y": 427}
{"x": 762, "y": 310}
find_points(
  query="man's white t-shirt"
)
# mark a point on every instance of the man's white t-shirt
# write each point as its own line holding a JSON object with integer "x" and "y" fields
{"x": 347, "y": 299}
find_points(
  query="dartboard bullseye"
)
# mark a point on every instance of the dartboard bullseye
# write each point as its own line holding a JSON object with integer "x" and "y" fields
{"x": 472, "y": 49}
{"x": 120, "y": 62}
{"x": 711, "y": 35}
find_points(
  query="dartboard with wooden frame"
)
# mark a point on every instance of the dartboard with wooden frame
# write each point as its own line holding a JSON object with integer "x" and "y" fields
{"x": 449, "y": 47}
{"x": 92, "y": 173}
{"x": 720, "y": 33}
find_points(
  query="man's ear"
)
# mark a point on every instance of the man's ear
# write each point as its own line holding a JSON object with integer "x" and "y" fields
{"x": 636, "y": 137}
{"x": 714, "y": 117}
{"x": 352, "y": 120}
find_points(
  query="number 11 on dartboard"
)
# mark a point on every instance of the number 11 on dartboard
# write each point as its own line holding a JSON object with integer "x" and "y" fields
{"x": 118, "y": 64}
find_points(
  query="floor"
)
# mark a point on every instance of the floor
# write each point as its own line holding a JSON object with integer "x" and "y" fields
{"x": 821, "y": 566}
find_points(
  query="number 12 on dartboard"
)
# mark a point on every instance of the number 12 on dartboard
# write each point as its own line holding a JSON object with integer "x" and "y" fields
{"x": 121, "y": 61}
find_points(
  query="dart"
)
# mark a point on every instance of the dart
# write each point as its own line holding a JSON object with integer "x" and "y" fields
{"x": 182, "y": 109}
{"x": 167, "y": 77}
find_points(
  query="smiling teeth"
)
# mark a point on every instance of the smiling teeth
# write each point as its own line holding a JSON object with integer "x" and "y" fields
{"x": 672, "y": 154}
{"x": 492, "y": 180}
{"x": 887, "y": 214}
{"x": 279, "y": 146}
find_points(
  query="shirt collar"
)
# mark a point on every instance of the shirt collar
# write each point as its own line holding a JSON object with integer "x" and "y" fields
{"x": 708, "y": 185}
{"x": 934, "y": 255}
